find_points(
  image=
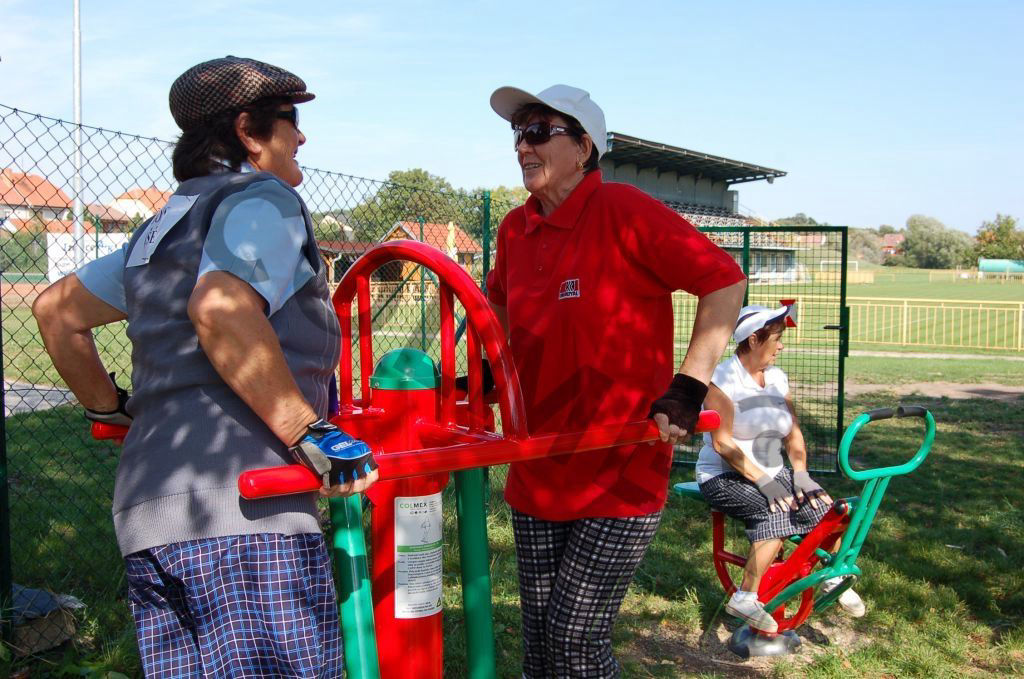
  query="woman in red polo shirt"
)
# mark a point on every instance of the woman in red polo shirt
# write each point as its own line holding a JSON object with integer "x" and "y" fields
{"x": 583, "y": 282}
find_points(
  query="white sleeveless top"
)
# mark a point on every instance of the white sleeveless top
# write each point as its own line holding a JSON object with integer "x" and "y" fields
{"x": 761, "y": 419}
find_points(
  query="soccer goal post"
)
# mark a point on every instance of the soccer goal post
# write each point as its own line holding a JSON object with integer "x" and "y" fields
{"x": 833, "y": 264}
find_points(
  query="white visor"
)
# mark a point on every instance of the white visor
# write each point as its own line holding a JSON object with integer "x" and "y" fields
{"x": 754, "y": 317}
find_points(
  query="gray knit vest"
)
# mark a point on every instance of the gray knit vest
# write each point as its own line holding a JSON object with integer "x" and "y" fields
{"x": 191, "y": 435}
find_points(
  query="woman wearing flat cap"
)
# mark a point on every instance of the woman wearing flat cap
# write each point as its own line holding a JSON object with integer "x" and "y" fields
{"x": 583, "y": 281}
{"x": 740, "y": 469}
{"x": 234, "y": 342}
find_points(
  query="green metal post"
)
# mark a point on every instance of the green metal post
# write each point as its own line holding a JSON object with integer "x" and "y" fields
{"x": 746, "y": 264}
{"x": 423, "y": 303}
{"x": 354, "y": 595}
{"x": 486, "y": 230}
{"x": 476, "y": 576}
{"x": 844, "y": 341}
{"x": 5, "y": 526}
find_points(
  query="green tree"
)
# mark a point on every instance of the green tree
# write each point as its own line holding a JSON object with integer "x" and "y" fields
{"x": 930, "y": 244}
{"x": 865, "y": 245}
{"x": 408, "y": 195}
{"x": 885, "y": 229}
{"x": 503, "y": 200}
{"x": 1000, "y": 239}
{"x": 799, "y": 219}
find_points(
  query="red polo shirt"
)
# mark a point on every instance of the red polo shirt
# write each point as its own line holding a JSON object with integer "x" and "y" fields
{"x": 588, "y": 291}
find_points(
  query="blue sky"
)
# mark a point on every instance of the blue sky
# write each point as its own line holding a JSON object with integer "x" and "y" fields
{"x": 877, "y": 110}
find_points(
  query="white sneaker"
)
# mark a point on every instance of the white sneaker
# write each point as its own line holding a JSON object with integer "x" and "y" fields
{"x": 752, "y": 611}
{"x": 849, "y": 600}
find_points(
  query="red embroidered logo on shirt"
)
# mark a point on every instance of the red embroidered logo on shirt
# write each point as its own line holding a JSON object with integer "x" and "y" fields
{"x": 569, "y": 288}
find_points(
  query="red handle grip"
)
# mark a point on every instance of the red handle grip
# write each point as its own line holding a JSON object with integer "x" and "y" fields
{"x": 272, "y": 481}
{"x": 101, "y": 431}
{"x": 295, "y": 478}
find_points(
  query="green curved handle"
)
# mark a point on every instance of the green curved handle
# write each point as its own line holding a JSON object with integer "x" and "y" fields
{"x": 914, "y": 463}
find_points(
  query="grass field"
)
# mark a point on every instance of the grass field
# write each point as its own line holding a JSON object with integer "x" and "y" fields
{"x": 944, "y": 582}
{"x": 944, "y": 564}
{"x": 923, "y": 284}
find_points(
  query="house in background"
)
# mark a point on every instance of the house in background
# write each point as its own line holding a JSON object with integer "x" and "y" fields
{"x": 109, "y": 219}
{"x": 892, "y": 244}
{"x": 140, "y": 204}
{"x": 448, "y": 238}
{"x": 29, "y": 202}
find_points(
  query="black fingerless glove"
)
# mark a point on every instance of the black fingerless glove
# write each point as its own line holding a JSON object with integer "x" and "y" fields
{"x": 682, "y": 402}
{"x": 119, "y": 416}
{"x": 773, "y": 491}
{"x": 462, "y": 382}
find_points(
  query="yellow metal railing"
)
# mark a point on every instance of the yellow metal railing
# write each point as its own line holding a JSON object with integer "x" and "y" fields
{"x": 918, "y": 323}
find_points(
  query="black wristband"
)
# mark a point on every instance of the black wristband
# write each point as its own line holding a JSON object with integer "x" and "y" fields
{"x": 682, "y": 402}
{"x": 118, "y": 415}
{"x": 462, "y": 381}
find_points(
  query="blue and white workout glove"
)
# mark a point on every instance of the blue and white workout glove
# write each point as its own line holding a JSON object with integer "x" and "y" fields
{"x": 332, "y": 454}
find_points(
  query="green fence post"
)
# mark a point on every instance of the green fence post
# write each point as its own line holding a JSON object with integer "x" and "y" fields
{"x": 486, "y": 229}
{"x": 844, "y": 343}
{"x": 423, "y": 303}
{"x": 476, "y": 577}
{"x": 6, "y": 618}
{"x": 354, "y": 595}
{"x": 746, "y": 264}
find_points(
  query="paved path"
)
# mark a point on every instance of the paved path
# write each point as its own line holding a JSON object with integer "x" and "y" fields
{"x": 20, "y": 397}
{"x": 998, "y": 392}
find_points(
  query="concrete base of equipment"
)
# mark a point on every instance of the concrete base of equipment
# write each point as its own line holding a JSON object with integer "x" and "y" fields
{"x": 747, "y": 643}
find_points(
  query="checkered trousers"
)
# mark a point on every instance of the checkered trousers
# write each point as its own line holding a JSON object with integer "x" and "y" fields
{"x": 737, "y": 497}
{"x": 238, "y": 606}
{"x": 573, "y": 576}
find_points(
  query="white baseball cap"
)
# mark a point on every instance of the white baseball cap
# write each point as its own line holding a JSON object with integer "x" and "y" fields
{"x": 571, "y": 101}
{"x": 754, "y": 317}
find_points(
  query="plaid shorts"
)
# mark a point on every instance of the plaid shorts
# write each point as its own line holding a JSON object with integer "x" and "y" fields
{"x": 737, "y": 497}
{"x": 573, "y": 576}
{"x": 238, "y": 606}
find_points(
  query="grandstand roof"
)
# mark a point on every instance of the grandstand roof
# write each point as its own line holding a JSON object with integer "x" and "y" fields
{"x": 623, "y": 149}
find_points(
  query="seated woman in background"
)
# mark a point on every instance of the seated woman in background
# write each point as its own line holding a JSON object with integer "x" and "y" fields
{"x": 740, "y": 469}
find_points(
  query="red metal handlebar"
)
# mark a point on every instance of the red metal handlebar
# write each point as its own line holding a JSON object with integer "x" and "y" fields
{"x": 101, "y": 431}
{"x": 476, "y": 449}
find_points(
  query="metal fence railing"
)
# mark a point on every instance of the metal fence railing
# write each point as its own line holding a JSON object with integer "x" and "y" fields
{"x": 781, "y": 263}
{"x": 937, "y": 323}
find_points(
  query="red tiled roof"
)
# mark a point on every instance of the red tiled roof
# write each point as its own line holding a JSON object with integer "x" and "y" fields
{"x": 892, "y": 240}
{"x": 152, "y": 197}
{"x": 19, "y": 188}
{"x": 435, "y": 235}
{"x": 108, "y": 213}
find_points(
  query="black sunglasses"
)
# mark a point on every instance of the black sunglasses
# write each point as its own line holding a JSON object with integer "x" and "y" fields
{"x": 291, "y": 115}
{"x": 537, "y": 133}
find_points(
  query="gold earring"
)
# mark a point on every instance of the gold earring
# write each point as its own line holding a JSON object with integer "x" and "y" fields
{"x": 579, "y": 164}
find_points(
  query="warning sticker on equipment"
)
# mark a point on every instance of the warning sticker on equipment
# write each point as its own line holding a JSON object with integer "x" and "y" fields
{"x": 417, "y": 556}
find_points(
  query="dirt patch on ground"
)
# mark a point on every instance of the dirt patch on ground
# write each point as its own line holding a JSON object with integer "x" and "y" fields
{"x": 667, "y": 651}
{"x": 998, "y": 392}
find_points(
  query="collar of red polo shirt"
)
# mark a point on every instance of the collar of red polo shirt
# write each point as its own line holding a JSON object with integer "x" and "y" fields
{"x": 567, "y": 214}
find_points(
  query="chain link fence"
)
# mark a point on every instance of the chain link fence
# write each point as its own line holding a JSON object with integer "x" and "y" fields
{"x": 57, "y": 536}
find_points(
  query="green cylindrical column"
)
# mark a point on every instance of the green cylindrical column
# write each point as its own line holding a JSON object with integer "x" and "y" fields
{"x": 354, "y": 595}
{"x": 476, "y": 577}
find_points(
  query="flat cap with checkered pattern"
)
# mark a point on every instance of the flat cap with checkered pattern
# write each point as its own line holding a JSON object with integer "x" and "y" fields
{"x": 230, "y": 83}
